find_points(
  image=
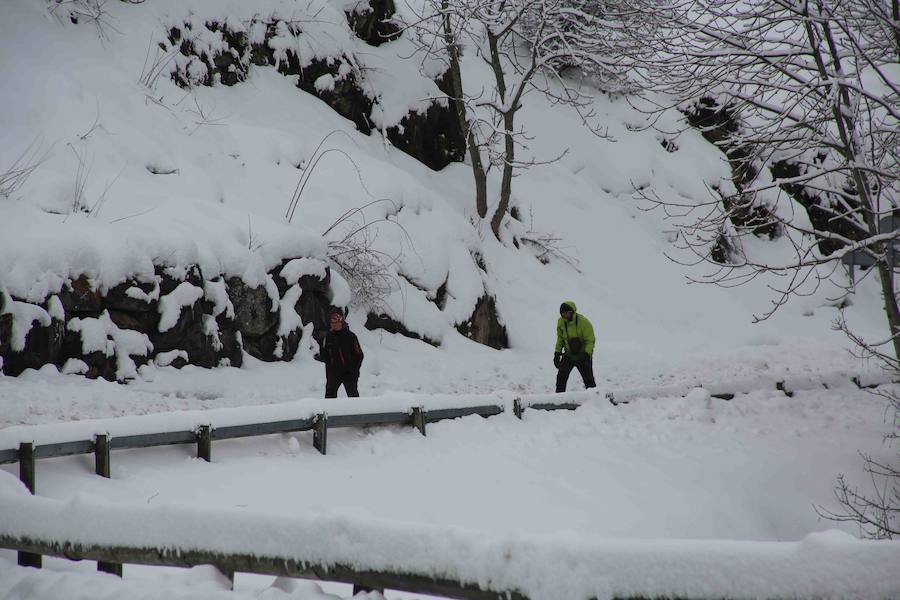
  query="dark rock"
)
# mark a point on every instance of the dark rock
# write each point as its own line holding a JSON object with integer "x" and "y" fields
{"x": 724, "y": 251}
{"x": 484, "y": 325}
{"x": 99, "y": 365}
{"x": 253, "y": 312}
{"x": 43, "y": 345}
{"x": 391, "y": 325}
{"x": 199, "y": 346}
{"x": 118, "y": 299}
{"x": 313, "y": 285}
{"x": 440, "y": 296}
{"x": 719, "y": 124}
{"x": 266, "y": 347}
{"x": 144, "y": 322}
{"x": 171, "y": 277}
{"x": 823, "y": 219}
{"x": 80, "y": 298}
{"x": 228, "y": 65}
{"x": 308, "y": 283}
{"x": 314, "y": 302}
{"x": 373, "y": 23}
{"x": 347, "y": 98}
{"x": 433, "y": 138}
{"x": 230, "y": 347}
{"x": 313, "y": 308}
{"x": 261, "y": 53}
{"x": 179, "y": 362}
{"x": 189, "y": 321}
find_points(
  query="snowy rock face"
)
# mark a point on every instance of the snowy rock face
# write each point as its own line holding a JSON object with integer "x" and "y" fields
{"x": 717, "y": 123}
{"x": 213, "y": 52}
{"x": 372, "y": 22}
{"x": 179, "y": 318}
{"x": 484, "y": 326}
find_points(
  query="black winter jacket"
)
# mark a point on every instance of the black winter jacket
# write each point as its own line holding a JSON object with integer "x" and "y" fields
{"x": 341, "y": 351}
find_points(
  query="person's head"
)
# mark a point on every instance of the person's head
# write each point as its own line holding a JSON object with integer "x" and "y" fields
{"x": 566, "y": 310}
{"x": 335, "y": 319}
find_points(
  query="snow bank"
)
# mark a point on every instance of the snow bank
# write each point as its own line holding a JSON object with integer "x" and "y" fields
{"x": 823, "y": 565}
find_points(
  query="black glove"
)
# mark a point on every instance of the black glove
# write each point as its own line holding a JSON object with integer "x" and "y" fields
{"x": 588, "y": 360}
{"x": 557, "y": 358}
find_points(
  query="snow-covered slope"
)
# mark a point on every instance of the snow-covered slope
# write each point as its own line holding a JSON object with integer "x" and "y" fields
{"x": 131, "y": 173}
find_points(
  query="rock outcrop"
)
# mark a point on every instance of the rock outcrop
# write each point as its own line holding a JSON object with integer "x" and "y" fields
{"x": 178, "y": 318}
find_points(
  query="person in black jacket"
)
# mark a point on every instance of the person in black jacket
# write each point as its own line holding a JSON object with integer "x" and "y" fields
{"x": 342, "y": 356}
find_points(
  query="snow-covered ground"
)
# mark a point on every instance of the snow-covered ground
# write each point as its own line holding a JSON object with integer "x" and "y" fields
{"x": 663, "y": 469}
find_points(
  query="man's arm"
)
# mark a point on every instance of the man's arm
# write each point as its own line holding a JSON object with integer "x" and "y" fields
{"x": 588, "y": 333}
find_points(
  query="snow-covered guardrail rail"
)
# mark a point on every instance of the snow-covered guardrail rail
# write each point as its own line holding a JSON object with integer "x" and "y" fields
{"x": 444, "y": 560}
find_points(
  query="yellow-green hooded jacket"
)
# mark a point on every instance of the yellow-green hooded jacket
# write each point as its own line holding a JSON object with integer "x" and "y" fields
{"x": 579, "y": 328}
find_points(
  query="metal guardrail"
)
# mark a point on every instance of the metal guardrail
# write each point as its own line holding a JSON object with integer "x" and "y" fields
{"x": 28, "y": 453}
{"x": 230, "y": 563}
{"x": 166, "y": 438}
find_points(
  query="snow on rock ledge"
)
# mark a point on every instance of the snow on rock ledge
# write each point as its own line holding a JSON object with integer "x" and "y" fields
{"x": 180, "y": 314}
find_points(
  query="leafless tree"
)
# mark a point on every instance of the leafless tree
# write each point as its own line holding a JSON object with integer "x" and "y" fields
{"x": 814, "y": 109}
{"x": 800, "y": 95}
{"x": 875, "y": 509}
{"x": 554, "y": 47}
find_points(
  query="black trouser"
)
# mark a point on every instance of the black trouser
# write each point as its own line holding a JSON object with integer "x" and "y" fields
{"x": 585, "y": 368}
{"x": 334, "y": 380}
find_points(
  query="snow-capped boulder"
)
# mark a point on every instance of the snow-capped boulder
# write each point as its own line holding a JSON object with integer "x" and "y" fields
{"x": 254, "y": 310}
{"x": 133, "y": 296}
{"x": 31, "y": 336}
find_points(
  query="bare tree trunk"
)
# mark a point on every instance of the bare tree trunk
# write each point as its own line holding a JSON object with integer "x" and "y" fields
{"x": 895, "y": 13}
{"x": 506, "y": 182}
{"x": 509, "y": 149}
{"x": 478, "y": 172}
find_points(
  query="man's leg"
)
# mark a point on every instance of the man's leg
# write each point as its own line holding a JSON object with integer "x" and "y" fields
{"x": 562, "y": 375}
{"x": 332, "y": 383}
{"x": 586, "y": 369}
{"x": 351, "y": 383}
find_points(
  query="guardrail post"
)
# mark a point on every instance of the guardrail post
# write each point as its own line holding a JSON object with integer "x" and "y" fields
{"x": 27, "y": 475}
{"x": 320, "y": 433}
{"x": 418, "y": 419}
{"x": 27, "y": 465}
{"x": 229, "y": 575}
{"x": 518, "y": 409}
{"x": 102, "y": 468}
{"x": 101, "y": 455}
{"x": 110, "y": 567}
{"x": 204, "y": 443}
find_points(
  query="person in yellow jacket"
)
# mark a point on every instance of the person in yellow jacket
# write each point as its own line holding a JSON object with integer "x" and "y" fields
{"x": 574, "y": 346}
